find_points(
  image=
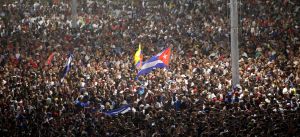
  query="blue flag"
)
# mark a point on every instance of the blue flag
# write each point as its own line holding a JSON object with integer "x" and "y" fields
{"x": 121, "y": 110}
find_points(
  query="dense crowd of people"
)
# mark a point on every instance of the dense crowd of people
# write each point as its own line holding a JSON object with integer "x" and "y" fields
{"x": 192, "y": 97}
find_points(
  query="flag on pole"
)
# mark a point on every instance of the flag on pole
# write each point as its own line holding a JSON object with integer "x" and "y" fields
{"x": 138, "y": 57}
{"x": 160, "y": 60}
{"x": 67, "y": 66}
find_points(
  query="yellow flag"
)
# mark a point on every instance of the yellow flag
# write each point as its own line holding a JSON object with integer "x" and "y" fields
{"x": 138, "y": 57}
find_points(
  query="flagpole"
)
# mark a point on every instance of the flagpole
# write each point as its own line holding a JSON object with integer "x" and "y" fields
{"x": 234, "y": 42}
{"x": 74, "y": 13}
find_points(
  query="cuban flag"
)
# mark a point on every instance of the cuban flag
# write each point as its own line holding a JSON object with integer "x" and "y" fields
{"x": 67, "y": 66}
{"x": 121, "y": 110}
{"x": 160, "y": 60}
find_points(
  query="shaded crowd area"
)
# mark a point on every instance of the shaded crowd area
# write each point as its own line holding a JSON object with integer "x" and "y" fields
{"x": 192, "y": 97}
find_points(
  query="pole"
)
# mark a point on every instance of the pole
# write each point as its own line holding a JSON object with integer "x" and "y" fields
{"x": 234, "y": 42}
{"x": 74, "y": 13}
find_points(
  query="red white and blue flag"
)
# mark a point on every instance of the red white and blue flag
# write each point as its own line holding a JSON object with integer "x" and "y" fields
{"x": 67, "y": 66}
{"x": 160, "y": 60}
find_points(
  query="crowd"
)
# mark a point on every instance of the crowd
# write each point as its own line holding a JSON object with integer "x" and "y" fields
{"x": 192, "y": 97}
